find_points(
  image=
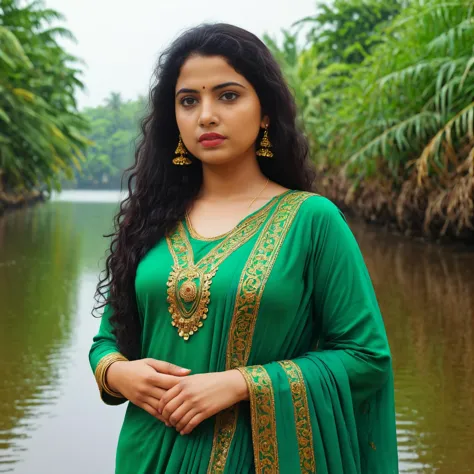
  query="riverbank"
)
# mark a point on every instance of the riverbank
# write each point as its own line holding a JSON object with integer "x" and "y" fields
{"x": 442, "y": 215}
{"x": 413, "y": 211}
{"x": 9, "y": 201}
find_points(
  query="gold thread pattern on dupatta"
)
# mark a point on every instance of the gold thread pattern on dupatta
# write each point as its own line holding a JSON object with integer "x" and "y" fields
{"x": 304, "y": 432}
{"x": 189, "y": 283}
{"x": 262, "y": 407}
{"x": 249, "y": 293}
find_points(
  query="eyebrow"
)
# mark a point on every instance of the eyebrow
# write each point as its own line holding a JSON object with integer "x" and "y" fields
{"x": 215, "y": 88}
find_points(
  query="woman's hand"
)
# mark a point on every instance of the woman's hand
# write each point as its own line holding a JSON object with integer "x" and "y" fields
{"x": 144, "y": 381}
{"x": 197, "y": 397}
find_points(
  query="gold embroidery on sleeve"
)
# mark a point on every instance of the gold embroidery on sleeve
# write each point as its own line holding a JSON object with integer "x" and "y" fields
{"x": 304, "y": 432}
{"x": 101, "y": 371}
{"x": 249, "y": 293}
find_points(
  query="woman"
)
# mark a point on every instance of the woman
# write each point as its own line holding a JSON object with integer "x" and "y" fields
{"x": 240, "y": 320}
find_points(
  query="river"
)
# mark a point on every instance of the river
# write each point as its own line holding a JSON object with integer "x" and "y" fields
{"x": 51, "y": 418}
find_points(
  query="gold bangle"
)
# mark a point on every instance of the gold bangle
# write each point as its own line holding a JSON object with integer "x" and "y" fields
{"x": 101, "y": 371}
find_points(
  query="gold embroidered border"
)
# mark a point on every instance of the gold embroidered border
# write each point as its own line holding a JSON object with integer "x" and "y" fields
{"x": 262, "y": 407}
{"x": 249, "y": 293}
{"x": 304, "y": 432}
{"x": 226, "y": 424}
{"x": 189, "y": 320}
{"x": 254, "y": 278}
{"x": 180, "y": 247}
{"x": 182, "y": 252}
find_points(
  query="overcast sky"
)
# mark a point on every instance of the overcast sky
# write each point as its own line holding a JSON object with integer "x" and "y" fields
{"x": 120, "y": 40}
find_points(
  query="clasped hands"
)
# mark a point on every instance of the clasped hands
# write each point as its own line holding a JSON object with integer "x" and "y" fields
{"x": 172, "y": 395}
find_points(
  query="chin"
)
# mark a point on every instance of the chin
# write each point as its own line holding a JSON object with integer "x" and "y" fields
{"x": 215, "y": 158}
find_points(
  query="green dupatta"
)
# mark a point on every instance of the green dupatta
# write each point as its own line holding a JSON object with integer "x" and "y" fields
{"x": 330, "y": 410}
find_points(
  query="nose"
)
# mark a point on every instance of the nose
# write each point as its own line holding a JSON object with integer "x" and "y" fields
{"x": 208, "y": 114}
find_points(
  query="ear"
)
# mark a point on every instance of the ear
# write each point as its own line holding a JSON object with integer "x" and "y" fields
{"x": 265, "y": 122}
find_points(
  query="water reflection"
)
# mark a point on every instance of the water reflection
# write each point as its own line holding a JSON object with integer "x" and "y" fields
{"x": 38, "y": 271}
{"x": 427, "y": 298}
{"x": 50, "y": 414}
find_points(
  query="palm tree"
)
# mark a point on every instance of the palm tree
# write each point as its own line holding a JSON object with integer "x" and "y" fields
{"x": 40, "y": 128}
{"x": 402, "y": 119}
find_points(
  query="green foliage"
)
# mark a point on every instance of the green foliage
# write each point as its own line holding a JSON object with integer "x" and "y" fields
{"x": 40, "y": 129}
{"x": 414, "y": 94}
{"x": 338, "y": 37}
{"x": 408, "y": 102}
{"x": 114, "y": 129}
{"x": 386, "y": 96}
{"x": 346, "y": 31}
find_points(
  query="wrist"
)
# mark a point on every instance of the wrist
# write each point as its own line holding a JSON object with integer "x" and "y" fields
{"x": 112, "y": 376}
{"x": 241, "y": 386}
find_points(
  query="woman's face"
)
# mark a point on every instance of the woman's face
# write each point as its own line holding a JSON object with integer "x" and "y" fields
{"x": 217, "y": 111}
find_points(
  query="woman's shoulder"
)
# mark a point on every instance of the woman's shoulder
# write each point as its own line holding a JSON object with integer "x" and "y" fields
{"x": 317, "y": 206}
{"x": 321, "y": 219}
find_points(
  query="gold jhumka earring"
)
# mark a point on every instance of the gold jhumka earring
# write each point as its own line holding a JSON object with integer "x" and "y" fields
{"x": 181, "y": 159}
{"x": 265, "y": 146}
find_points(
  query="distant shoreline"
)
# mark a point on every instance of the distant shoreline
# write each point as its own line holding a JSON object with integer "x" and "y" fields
{"x": 357, "y": 209}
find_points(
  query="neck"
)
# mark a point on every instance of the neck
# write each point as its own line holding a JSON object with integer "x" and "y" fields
{"x": 236, "y": 180}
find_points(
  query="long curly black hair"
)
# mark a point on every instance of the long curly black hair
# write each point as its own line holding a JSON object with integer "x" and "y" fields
{"x": 159, "y": 193}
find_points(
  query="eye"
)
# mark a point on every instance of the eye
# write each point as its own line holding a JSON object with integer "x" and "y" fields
{"x": 188, "y": 101}
{"x": 229, "y": 96}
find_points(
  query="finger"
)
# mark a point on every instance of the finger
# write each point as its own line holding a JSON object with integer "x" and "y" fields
{"x": 195, "y": 421}
{"x": 152, "y": 403}
{"x": 149, "y": 409}
{"x": 167, "y": 367}
{"x": 171, "y": 407}
{"x": 165, "y": 381}
{"x": 154, "y": 392}
{"x": 181, "y": 411}
{"x": 185, "y": 419}
{"x": 168, "y": 396}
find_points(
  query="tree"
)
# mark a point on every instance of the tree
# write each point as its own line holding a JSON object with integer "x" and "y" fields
{"x": 41, "y": 132}
{"x": 114, "y": 129}
{"x": 393, "y": 126}
{"x": 347, "y": 31}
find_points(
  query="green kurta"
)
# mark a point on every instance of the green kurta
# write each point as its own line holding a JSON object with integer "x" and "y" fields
{"x": 292, "y": 302}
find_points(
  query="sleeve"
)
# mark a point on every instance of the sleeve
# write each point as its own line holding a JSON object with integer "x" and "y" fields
{"x": 103, "y": 353}
{"x": 334, "y": 405}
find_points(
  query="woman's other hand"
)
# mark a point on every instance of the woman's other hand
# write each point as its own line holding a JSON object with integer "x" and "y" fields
{"x": 144, "y": 381}
{"x": 197, "y": 397}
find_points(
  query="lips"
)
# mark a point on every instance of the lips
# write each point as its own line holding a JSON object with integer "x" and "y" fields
{"x": 211, "y": 136}
{"x": 209, "y": 140}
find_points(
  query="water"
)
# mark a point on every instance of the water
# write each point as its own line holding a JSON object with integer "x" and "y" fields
{"x": 51, "y": 419}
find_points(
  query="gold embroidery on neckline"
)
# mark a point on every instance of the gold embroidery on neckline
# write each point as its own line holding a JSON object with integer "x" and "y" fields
{"x": 195, "y": 235}
{"x": 189, "y": 282}
{"x": 249, "y": 294}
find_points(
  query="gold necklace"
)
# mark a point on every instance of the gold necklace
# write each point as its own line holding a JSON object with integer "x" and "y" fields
{"x": 189, "y": 282}
{"x": 258, "y": 195}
